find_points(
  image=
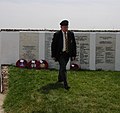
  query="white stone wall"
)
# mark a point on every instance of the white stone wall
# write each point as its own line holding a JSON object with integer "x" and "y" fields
{"x": 10, "y": 47}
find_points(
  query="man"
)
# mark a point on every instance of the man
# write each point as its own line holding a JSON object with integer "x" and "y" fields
{"x": 63, "y": 47}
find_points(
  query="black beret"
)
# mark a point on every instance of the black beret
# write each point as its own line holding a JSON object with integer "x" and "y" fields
{"x": 64, "y": 23}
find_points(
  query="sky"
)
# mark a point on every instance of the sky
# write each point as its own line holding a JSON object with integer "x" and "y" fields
{"x": 47, "y": 14}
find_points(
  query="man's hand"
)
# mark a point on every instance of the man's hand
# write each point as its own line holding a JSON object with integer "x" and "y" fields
{"x": 55, "y": 59}
{"x": 73, "y": 58}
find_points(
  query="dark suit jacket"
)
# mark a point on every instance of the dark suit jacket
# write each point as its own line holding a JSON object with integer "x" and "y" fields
{"x": 57, "y": 44}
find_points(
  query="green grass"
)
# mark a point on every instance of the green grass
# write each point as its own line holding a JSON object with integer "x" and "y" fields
{"x": 36, "y": 91}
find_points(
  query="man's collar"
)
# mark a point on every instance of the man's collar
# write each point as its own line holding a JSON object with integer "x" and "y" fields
{"x": 64, "y": 32}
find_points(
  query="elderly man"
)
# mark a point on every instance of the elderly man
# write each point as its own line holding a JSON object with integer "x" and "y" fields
{"x": 63, "y": 47}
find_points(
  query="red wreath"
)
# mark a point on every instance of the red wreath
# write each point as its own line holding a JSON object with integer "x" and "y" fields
{"x": 21, "y": 63}
{"x": 43, "y": 64}
{"x": 34, "y": 64}
{"x": 74, "y": 66}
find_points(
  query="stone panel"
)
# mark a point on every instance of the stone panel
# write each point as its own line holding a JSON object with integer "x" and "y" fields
{"x": 29, "y": 46}
{"x": 83, "y": 49}
{"x": 105, "y": 51}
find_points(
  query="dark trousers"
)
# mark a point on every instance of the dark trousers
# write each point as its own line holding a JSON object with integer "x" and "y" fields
{"x": 63, "y": 60}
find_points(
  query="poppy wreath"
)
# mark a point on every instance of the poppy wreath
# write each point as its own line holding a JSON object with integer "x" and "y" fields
{"x": 74, "y": 66}
{"x": 43, "y": 64}
{"x": 21, "y": 63}
{"x": 33, "y": 64}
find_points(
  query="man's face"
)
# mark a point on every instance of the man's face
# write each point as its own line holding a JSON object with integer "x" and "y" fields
{"x": 64, "y": 28}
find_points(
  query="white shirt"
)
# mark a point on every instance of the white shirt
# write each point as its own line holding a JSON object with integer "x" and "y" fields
{"x": 64, "y": 41}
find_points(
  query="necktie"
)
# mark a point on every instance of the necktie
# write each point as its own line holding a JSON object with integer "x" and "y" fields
{"x": 66, "y": 42}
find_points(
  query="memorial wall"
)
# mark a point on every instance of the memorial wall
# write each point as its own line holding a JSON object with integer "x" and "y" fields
{"x": 95, "y": 50}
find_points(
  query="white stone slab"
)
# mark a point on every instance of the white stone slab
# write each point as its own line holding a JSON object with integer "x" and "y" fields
{"x": 9, "y": 47}
{"x": 92, "y": 50}
{"x": 29, "y": 46}
{"x": 105, "y": 51}
{"x": 41, "y": 46}
{"x": 83, "y": 49}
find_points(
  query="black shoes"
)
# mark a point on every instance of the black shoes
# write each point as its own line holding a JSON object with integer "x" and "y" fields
{"x": 67, "y": 87}
{"x": 60, "y": 80}
{"x": 65, "y": 84}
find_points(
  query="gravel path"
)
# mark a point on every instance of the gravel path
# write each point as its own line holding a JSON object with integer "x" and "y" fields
{"x": 4, "y": 72}
{"x": 2, "y": 97}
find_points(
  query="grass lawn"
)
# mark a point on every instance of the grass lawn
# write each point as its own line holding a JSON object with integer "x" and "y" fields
{"x": 36, "y": 91}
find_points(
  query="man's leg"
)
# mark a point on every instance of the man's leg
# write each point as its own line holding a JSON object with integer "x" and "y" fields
{"x": 64, "y": 58}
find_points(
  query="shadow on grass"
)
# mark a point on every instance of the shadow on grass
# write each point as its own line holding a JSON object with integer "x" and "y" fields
{"x": 37, "y": 112}
{"x": 51, "y": 86}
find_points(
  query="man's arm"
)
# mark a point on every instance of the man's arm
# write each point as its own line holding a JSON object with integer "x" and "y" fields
{"x": 74, "y": 45}
{"x": 53, "y": 46}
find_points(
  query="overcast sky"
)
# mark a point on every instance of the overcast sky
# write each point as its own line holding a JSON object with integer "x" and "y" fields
{"x": 47, "y": 14}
